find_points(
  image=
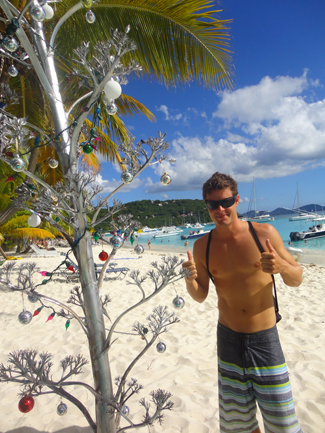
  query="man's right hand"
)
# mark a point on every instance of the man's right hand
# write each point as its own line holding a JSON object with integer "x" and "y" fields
{"x": 191, "y": 267}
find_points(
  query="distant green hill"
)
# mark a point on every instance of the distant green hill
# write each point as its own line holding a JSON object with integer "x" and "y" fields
{"x": 285, "y": 211}
{"x": 157, "y": 213}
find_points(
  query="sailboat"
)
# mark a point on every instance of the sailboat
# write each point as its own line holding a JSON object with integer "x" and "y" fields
{"x": 258, "y": 216}
{"x": 302, "y": 215}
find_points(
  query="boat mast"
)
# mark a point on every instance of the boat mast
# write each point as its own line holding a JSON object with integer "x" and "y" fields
{"x": 254, "y": 196}
{"x": 298, "y": 198}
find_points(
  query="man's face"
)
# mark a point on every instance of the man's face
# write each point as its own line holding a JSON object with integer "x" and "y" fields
{"x": 223, "y": 216}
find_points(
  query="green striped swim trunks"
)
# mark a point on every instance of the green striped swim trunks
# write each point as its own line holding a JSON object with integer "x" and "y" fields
{"x": 252, "y": 369}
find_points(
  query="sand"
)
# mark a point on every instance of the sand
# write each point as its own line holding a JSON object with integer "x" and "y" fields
{"x": 188, "y": 367}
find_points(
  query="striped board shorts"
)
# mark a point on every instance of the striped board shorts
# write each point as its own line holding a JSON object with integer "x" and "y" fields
{"x": 252, "y": 368}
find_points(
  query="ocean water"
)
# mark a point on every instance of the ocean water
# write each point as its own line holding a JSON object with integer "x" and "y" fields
{"x": 283, "y": 226}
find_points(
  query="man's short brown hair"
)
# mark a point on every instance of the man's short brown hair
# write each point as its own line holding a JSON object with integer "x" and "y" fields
{"x": 219, "y": 181}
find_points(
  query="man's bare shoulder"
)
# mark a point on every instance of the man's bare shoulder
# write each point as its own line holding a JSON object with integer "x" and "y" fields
{"x": 200, "y": 246}
{"x": 266, "y": 231}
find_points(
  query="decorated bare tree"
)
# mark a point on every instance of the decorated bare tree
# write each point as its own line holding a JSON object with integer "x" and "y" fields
{"x": 99, "y": 71}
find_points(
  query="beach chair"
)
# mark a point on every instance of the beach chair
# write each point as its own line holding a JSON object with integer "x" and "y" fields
{"x": 39, "y": 252}
{"x": 112, "y": 272}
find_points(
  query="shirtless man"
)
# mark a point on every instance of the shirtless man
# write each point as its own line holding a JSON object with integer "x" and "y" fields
{"x": 251, "y": 364}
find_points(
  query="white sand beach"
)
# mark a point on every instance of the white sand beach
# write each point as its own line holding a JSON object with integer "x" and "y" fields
{"x": 188, "y": 368}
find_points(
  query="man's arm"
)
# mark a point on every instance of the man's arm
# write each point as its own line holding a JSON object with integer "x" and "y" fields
{"x": 277, "y": 260}
{"x": 197, "y": 283}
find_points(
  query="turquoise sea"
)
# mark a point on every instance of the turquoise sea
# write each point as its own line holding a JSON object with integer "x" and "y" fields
{"x": 282, "y": 224}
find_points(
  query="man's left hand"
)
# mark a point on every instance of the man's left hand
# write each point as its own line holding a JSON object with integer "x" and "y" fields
{"x": 271, "y": 262}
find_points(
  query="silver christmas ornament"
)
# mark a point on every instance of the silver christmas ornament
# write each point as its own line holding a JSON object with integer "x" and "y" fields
{"x": 125, "y": 410}
{"x": 17, "y": 164}
{"x": 37, "y": 12}
{"x": 161, "y": 347}
{"x": 10, "y": 44}
{"x": 32, "y": 299}
{"x": 139, "y": 249}
{"x": 117, "y": 241}
{"x": 25, "y": 317}
{"x": 126, "y": 177}
{"x": 12, "y": 71}
{"x": 111, "y": 108}
{"x": 90, "y": 17}
{"x": 165, "y": 179}
{"x": 127, "y": 28}
{"x": 62, "y": 409}
{"x": 53, "y": 163}
{"x": 178, "y": 302}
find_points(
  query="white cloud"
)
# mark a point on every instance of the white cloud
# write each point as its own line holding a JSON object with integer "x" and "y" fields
{"x": 255, "y": 104}
{"x": 275, "y": 135}
{"x": 164, "y": 109}
{"x": 164, "y": 196}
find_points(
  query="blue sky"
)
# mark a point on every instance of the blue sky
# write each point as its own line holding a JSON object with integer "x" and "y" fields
{"x": 271, "y": 126}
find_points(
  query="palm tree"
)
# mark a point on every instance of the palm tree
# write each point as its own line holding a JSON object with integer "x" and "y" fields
{"x": 178, "y": 41}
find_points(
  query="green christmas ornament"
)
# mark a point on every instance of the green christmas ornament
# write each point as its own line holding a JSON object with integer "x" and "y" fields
{"x": 87, "y": 149}
{"x": 96, "y": 236}
{"x": 67, "y": 324}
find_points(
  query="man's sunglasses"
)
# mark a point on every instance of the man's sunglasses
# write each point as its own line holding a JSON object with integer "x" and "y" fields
{"x": 226, "y": 202}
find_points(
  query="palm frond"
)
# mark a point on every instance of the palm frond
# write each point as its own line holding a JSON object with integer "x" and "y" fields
{"x": 178, "y": 40}
{"x": 23, "y": 233}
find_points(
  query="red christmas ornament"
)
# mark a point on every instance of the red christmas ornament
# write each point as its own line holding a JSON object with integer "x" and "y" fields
{"x": 103, "y": 256}
{"x": 71, "y": 269}
{"x": 10, "y": 179}
{"x": 26, "y": 404}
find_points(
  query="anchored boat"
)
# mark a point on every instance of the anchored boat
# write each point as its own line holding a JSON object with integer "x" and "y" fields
{"x": 316, "y": 231}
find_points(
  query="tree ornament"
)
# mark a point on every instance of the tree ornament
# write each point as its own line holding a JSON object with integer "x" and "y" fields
{"x": 139, "y": 249}
{"x": 67, "y": 324}
{"x": 32, "y": 299}
{"x": 25, "y": 317}
{"x": 87, "y": 3}
{"x": 125, "y": 410}
{"x": 34, "y": 220}
{"x": 87, "y": 148}
{"x": 117, "y": 241}
{"x": 126, "y": 177}
{"x": 17, "y": 164}
{"x": 127, "y": 29}
{"x": 49, "y": 12}
{"x": 112, "y": 89}
{"x": 12, "y": 71}
{"x": 62, "y": 409}
{"x": 50, "y": 317}
{"x": 161, "y": 347}
{"x": 96, "y": 236}
{"x": 103, "y": 256}
{"x": 165, "y": 179}
{"x": 53, "y": 163}
{"x": 10, "y": 179}
{"x": 90, "y": 17}
{"x": 37, "y": 13}
{"x": 36, "y": 312}
{"x": 26, "y": 404}
{"x": 111, "y": 108}
{"x": 10, "y": 44}
{"x": 178, "y": 302}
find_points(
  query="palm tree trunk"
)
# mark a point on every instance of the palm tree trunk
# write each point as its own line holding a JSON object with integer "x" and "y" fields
{"x": 3, "y": 253}
{"x": 105, "y": 418}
